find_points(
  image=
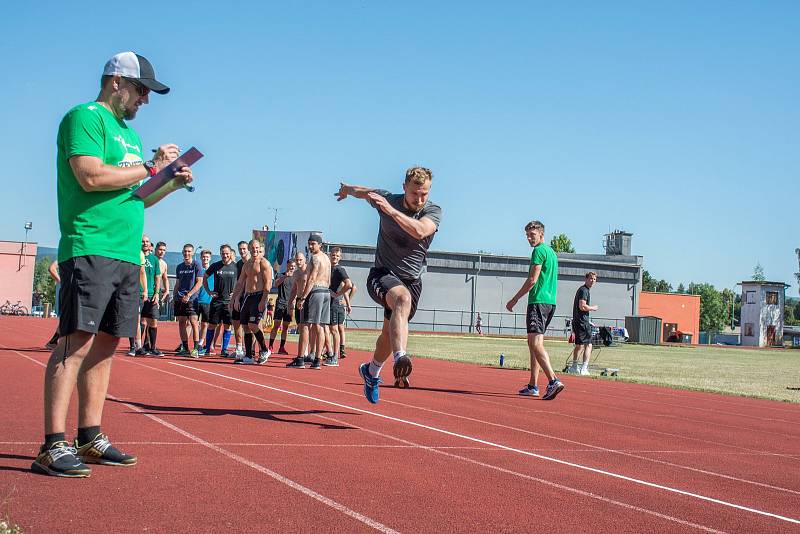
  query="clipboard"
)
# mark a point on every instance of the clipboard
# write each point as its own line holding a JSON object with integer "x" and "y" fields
{"x": 187, "y": 159}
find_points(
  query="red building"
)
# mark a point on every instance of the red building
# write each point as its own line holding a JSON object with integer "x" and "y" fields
{"x": 679, "y": 313}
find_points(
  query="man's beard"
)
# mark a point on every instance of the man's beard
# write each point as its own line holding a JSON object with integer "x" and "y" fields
{"x": 129, "y": 114}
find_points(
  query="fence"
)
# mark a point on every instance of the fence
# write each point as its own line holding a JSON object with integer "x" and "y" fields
{"x": 462, "y": 321}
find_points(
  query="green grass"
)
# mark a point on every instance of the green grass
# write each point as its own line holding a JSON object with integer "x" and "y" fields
{"x": 731, "y": 371}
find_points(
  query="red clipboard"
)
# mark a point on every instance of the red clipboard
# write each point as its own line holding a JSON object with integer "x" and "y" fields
{"x": 187, "y": 159}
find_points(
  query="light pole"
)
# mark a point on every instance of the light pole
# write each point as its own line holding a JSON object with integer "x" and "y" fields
{"x": 275, "y": 217}
{"x": 28, "y": 228}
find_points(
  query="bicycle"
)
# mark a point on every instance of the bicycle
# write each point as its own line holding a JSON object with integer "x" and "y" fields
{"x": 13, "y": 309}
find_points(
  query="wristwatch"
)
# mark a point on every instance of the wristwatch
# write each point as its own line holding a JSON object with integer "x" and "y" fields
{"x": 151, "y": 168}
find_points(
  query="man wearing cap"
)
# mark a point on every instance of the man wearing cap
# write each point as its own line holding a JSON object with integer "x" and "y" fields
{"x": 408, "y": 222}
{"x": 99, "y": 166}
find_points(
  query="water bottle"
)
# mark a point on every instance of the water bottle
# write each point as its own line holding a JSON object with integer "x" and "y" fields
{"x": 502, "y": 359}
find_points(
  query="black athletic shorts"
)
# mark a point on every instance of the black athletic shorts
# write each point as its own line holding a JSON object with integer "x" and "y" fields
{"x": 204, "y": 311}
{"x": 235, "y": 315}
{"x": 184, "y": 309}
{"x": 150, "y": 309}
{"x": 220, "y": 313}
{"x": 98, "y": 294}
{"x": 337, "y": 313}
{"x": 282, "y": 314}
{"x": 583, "y": 332}
{"x": 301, "y": 316}
{"x": 249, "y": 313}
{"x": 380, "y": 281}
{"x": 538, "y": 317}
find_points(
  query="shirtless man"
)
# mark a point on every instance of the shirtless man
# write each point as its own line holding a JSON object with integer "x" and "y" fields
{"x": 315, "y": 298}
{"x": 255, "y": 283}
{"x": 299, "y": 278}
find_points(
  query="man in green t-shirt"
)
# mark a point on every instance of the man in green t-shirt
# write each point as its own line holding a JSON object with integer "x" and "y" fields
{"x": 99, "y": 165}
{"x": 541, "y": 286}
{"x": 150, "y": 309}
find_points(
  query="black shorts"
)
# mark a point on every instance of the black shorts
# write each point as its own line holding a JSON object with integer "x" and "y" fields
{"x": 204, "y": 311}
{"x": 236, "y": 315}
{"x": 583, "y": 332}
{"x": 184, "y": 309}
{"x": 538, "y": 317}
{"x": 380, "y": 281}
{"x": 282, "y": 314}
{"x": 337, "y": 313}
{"x": 249, "y": 313}
{"x": 220, "y": 313}
{"x": 149, "y": 310}
{"x": 98, "y": 294}
{"x": 301, "y": 316}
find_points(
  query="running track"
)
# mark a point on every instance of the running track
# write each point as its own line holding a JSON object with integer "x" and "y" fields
{"x": 257, "y": 449}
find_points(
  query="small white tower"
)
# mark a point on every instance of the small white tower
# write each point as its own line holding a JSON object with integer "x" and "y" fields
{"x": 762, "y": 313}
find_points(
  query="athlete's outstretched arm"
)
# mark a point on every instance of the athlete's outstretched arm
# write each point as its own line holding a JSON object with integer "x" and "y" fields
{"x": 347, "y": 190}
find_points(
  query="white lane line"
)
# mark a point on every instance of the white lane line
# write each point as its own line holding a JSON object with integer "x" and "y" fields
{"x": 629, "y": 454}
{"x": 507, "y": 448}
{"x": 437, "y": 450}
{"x": 380, "y": 527}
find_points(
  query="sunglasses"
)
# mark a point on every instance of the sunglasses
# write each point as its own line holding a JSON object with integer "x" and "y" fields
{"x": 141, "y": 89}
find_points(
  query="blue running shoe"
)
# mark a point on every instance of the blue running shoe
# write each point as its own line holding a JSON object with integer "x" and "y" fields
{"x": 553, "y": 389}
{"x": 370, "y": 383}
{"x": 529, "y": 391}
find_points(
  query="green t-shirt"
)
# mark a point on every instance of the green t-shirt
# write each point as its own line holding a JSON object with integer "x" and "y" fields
{"x": 152, "y": 270}
{"x": 544, "y": 291}
{"x": 102, "y": 223}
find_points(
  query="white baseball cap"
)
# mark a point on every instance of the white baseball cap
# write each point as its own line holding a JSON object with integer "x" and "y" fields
{"x": 132, "y": 65}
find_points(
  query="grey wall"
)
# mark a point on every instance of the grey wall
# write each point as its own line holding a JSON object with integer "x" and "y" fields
{"x": 447, "y": 289}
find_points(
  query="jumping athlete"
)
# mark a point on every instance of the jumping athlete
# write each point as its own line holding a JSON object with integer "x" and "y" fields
{"x": 408, "y": 222}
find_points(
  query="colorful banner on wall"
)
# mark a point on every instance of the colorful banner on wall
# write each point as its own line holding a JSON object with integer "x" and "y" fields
{"x": 280, "y": 247}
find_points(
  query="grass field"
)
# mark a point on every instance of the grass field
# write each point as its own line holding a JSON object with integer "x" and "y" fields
{"x": 732, "y": 371}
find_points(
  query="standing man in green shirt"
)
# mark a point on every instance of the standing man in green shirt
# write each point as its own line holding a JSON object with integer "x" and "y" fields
{"x": 100, "y": 164}
{"x": 541, "y": 287}
{"x": 149, "y": 294}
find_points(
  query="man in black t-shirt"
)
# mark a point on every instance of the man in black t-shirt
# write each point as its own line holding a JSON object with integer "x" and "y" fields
{"x": 581, "y": 326}
{"x": 244, "y": 255}
{"x": 340, "y": 304}
{"x": 408, "y": 222}
{"x": 283, "y": 307}
{"x": 224, "y": 273}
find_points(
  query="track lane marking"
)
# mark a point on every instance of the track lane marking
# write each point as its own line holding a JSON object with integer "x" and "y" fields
{"x": 507, "y": 448}
{"x": 380, "y": 527}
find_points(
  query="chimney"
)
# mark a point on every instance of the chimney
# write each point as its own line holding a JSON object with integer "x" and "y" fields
{"x": 618, "y": 243}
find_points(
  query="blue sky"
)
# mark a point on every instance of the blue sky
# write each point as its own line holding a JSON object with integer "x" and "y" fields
{"x": 674, "y": 121}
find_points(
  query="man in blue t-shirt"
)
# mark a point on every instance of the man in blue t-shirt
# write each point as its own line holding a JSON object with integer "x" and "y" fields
{"x": 188, "y": 282}
{"x": 204, "y": 303}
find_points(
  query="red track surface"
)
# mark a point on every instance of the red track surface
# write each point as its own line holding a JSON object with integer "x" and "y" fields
{"x": 255, "y": 449}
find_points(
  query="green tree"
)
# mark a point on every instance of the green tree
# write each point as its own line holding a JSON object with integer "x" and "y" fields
{"x": 729, "y": 303}
{"x": 662, "y": 286}
{"x": 712, "y": 308}
{"x": 648, "y": 284}
{"x": 758, "y": 273}
{"x": 681, "y": 288}
{"x": 797, "y": 310}
{"x": 562, "y": 243}
{"x": 43, "y": 284}
{"x": 788, "y": 315}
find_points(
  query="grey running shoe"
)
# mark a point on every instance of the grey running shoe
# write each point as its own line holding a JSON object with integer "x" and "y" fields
{"x": 333, "y": 361}
{"x": 263, "y": 357}
{"x": 529, "y": 391}
{"x": 553, "y": 389}
{"x": 60, "y": 460}
{"x": 101, "y": 451}
{"x": 297, "y": 363}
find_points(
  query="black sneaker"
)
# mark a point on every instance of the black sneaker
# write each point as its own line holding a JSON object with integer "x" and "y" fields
{"x": 402, "y": 368}
{"x": 101, "y": 451}
{"x": 155, "y": 353}
{"x": 308, "y": 358}
{"x": 140, "y": 352}
{"x": 316, "y": 364}
{"x": 297, "y": 363}
{"x": 179, "y": 349}
{"x": 60, "y": 460}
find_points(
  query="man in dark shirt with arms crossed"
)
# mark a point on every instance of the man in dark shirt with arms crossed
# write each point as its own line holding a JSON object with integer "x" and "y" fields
{"x": 581, "y": 325}
{"x": 408, "y": 223}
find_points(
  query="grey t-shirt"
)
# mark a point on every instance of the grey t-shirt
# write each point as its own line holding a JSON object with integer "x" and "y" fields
{"x": 398, "y": 251}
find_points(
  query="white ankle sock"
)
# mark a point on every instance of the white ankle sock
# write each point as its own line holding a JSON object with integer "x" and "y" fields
{"x": 398, "y": 354}
{"x": 375, "y": 368}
